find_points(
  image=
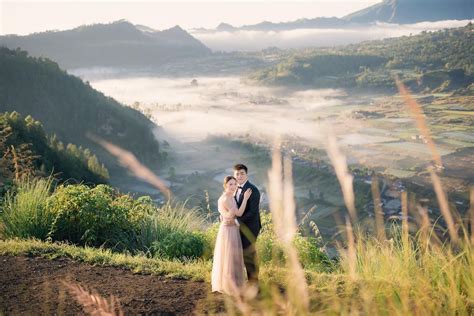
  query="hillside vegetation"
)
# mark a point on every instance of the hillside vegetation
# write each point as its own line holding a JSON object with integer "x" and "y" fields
{"x": 27, "y": 151}
{"x": 433, "y": 61}
{"x": 70, "y": 108}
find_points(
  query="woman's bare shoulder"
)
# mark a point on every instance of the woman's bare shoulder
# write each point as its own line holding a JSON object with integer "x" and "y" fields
{"x": 224, "y": 198}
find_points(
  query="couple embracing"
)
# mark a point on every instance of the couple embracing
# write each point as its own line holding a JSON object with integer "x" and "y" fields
{"x": 235, "y": 244}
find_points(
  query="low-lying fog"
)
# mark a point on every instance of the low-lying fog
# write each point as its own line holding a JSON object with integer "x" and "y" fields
{"x": 249, "y": 40}
{"x": 189, "y": 109}
{"x": 219, "y": 106}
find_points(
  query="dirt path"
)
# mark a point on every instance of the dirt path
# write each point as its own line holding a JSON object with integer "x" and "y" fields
{"x": 32, "y": 285}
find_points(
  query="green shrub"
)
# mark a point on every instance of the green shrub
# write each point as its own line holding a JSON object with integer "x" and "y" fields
{"x": 100, "y": 216}
{"x": 308, "y": 248}
{"x": 310, "y": 254}
{"x": 179, "y": 244}
{"x": 136, "y": 209}
{"x": 89, "y": 216}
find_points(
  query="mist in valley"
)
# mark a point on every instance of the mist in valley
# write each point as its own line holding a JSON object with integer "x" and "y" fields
{"x": 252, "y": 40}
{"x": 212, "y": 116}
{"x": 224, "y": 105}
{"x": 204, "y": 122}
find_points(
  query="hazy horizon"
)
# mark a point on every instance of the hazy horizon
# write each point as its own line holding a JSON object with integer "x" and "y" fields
{"x": 26, "y": 17}
{"x": 249, "y": 40}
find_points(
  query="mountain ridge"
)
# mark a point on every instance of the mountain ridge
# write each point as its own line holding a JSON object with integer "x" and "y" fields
{"x": 389, "y": 11}
{"x": 413, "y": 11}
{"x": 119, "y": 44}
{"x": 70, "y": 108}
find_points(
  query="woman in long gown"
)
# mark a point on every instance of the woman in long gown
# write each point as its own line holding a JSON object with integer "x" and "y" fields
{"x": 228, "y": 262}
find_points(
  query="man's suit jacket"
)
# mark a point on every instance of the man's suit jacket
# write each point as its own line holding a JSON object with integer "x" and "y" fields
{"x": 250, "y": 220}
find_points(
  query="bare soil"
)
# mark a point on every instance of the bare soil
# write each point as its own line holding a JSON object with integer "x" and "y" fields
{"x": 33, "y": 286}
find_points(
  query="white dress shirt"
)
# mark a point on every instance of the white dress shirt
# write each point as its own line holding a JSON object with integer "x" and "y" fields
{"x": 239, "y": 190}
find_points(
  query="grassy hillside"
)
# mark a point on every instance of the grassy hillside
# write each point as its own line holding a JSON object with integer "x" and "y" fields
{"x": 441, "y": 61}
{"x": 409, "y": 270}
{"x": 70, "y": 108}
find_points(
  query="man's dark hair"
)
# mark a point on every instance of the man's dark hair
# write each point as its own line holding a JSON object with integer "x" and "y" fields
{"x": 240, "y": 166}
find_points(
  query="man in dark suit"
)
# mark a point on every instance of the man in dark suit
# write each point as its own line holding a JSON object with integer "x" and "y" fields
{"x": 249, "y": 221}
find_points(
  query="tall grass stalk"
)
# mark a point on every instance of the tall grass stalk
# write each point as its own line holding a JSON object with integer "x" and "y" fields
{"x": 425, "y": 225}
{"x": 350, "y": 255}
{"x": 92, "y": 302}
{"x": 417, "y": 112}
{"x": 405, "y": 231}
{"x": 129, "y": 161}
{"x": 379, "y": 222}
{"x": 282, "y": 206}
{"x": 471, "y": 215}
{"x": 396, "y": 278}
{"x": 444, "y": 206}
{"x": 178, "y": 216}
{"x": 338, "y": 160}
{"x": 24, "y": 213}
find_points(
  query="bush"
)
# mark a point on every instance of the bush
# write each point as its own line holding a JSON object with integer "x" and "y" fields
{"x": 179, "y": 244}
{"x": 89, "y": 216}
{"x": 157, "y": 224}
{"x": 100, "y": 216}
{"x": 308, "y": 248}
{"x": 136, "y": 209}
{"x": 310, "y": 254}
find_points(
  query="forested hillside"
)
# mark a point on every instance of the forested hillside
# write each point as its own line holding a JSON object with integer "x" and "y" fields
{"x": 442, "y": 61}
{"x": 70, "y": 108}
{"x": 26, "y": 150}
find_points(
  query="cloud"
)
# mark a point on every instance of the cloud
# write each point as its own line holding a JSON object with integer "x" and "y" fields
{"x": 299, "y": 38}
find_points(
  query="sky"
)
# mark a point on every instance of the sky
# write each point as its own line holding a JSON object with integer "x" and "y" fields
{"x": 24, "y": 17}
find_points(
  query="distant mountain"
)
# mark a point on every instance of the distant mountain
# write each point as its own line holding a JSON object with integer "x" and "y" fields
{"x": 225, "y": 27}
{"x": 390, "y": 11}
{"x": 70, "y": 108}
{"x": 412, "y": 11}
{"x": 321, "y": 22}
{"x": 315, "y": 23}
{"x": 118, "y": 44}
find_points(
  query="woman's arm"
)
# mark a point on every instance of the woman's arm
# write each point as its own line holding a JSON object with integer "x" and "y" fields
{"x": 253, "y": 207}
{"x": 231, "y": 206}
